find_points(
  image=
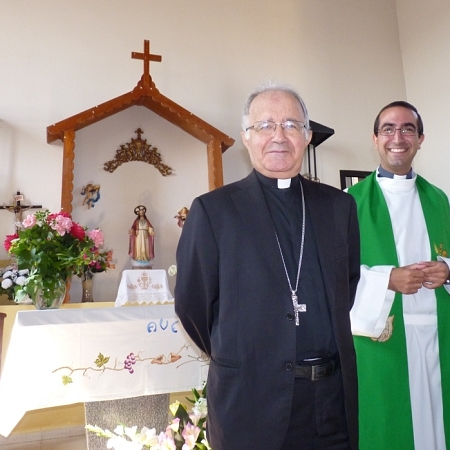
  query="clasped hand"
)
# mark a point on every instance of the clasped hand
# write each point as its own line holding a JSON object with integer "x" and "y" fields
{"x": 409, "y": 279}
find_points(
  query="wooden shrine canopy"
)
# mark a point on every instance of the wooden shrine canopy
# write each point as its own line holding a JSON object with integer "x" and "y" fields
{"x": 144, "y": 94}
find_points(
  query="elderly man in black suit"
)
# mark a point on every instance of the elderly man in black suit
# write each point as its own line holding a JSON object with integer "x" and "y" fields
{"x": 267, "y": 274}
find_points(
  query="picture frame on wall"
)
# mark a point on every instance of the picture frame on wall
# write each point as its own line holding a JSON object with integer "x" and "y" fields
{"x": 351, "y": 177}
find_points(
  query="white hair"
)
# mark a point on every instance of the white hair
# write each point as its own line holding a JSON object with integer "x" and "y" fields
{"x": 271, "y": 86}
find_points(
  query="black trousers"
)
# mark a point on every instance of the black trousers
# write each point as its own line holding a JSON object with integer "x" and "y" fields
{"x": 318, "y": 416}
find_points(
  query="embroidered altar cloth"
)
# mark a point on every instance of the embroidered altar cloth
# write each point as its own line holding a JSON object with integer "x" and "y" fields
{"x": 65, "y": 356}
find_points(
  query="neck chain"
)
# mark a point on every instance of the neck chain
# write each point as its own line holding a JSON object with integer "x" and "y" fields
{"x": 297, "y": 307}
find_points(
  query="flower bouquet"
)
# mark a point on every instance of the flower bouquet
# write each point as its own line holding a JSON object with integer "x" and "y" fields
{"x": 99, "y": 261}
{"x": 52, "y": 247}
{"x": 187, "y": 431}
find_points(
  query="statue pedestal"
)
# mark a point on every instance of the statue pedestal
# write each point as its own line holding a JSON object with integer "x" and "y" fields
{"x": 151, "y": 411}
{"x": 143, "y": 287}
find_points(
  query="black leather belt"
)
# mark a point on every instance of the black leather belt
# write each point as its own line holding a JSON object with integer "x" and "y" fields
{"x": 319, "y": 370}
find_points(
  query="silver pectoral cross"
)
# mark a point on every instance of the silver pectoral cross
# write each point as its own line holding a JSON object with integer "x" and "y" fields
{"x": 297, "y": 307}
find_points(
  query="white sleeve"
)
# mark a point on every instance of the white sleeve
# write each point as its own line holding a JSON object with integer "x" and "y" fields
{"x": 373, "y": 301}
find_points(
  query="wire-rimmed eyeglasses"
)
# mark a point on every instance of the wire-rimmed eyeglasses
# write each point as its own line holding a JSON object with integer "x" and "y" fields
{"x": 406, "y": 130}
{"x": 291, "y": 127}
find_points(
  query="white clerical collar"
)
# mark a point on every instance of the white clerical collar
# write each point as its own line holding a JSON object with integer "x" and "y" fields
{"x": 397, "y": 184}
{"x": 283, "y": 183}
{"x": 276, "y": 183}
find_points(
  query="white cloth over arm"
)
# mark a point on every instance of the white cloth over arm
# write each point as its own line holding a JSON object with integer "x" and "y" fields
{"x": 373, "y": 301}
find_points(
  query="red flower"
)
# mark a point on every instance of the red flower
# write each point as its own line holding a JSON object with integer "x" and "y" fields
{"x": 77, "y": 231}
{"x": 8, "y": 240}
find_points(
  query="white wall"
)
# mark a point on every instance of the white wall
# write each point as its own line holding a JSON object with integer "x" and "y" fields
{"x": 60, "y": 58}
{"x": 425, "y": 43}
{"x": 349, "y": 44}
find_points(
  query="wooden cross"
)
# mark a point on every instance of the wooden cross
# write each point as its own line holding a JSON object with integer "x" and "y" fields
{"x": 147, "y": 57}
{"x": 18, "y": 209}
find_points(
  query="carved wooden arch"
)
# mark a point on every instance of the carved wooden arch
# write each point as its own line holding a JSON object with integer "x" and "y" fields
{"x": 145, "y": 94}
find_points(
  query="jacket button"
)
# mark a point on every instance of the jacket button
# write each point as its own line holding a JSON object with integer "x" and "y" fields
{"x": 289, "y": 367}
{"x": 289, "y": 316}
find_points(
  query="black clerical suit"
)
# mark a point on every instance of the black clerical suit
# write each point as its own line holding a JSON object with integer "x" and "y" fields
{"x": 233, "y": 299}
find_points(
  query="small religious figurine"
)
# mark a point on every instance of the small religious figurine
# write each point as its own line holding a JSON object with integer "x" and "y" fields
{"x": 181, "y": 216}
{"x": 91, "y": 194}
{"x": 141, "y": 240}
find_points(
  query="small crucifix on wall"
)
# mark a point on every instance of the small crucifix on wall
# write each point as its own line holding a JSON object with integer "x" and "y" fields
{"x": 18, "y": 209}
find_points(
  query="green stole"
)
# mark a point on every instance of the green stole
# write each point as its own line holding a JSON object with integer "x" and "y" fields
{"x": 384, "y": 400}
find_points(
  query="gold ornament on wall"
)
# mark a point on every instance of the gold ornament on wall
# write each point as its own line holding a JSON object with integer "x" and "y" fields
{"x": 138, "y": 150}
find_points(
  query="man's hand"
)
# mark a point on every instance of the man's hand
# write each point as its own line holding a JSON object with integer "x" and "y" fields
{"x": 435, "y": 273}
{"x": 407, "y": 279}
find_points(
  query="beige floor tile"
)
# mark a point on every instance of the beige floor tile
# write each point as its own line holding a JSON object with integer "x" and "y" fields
{"x": 70, "y": 443}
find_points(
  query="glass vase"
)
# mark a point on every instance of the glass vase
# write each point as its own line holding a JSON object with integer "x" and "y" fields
{"x": 51, "y": 299}
{"x": 87, "y": 284}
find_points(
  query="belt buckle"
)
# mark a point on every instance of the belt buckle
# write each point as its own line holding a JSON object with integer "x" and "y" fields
{"x": 321, "y": 370}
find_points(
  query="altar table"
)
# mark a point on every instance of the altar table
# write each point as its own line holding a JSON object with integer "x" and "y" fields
{"x": 65, "y": 356}
{"x": 143, "y": 286}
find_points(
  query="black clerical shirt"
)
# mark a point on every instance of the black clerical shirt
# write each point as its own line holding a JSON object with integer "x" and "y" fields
{"x": 315, "y": 332}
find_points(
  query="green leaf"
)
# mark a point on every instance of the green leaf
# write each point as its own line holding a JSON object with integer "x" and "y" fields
{"x": 101, "y": 360}
{"x": 201, "y": 422}
{"x": 66, "y": 380}
{"x": 179, "y": 441}
{"x": 182, "y": 415}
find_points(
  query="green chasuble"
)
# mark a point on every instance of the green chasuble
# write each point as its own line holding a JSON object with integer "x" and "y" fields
{"x": 384, "y": 399}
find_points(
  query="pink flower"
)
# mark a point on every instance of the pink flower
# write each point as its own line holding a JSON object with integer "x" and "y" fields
{"x": 174, "y": 425}
{"x": 166, "y": 442}
{"x": 55, "y": 215}
{"x": 61, "y": 223}
{"x": 190, "y": 435}
{"x": 29, "y": 221}
{"x": 97, "y": 236}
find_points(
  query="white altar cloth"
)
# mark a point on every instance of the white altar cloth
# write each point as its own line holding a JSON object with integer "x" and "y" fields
{"x": 65, "y": 356}
{"x": 144, "y": 286}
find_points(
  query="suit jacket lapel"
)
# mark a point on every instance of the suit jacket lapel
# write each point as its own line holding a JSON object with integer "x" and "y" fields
{"x": 252, "y": 207}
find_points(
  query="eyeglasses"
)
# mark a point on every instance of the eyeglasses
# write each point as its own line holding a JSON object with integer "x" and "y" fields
{"x": 389, "y": 130}
{"x": 267, "y": 127}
